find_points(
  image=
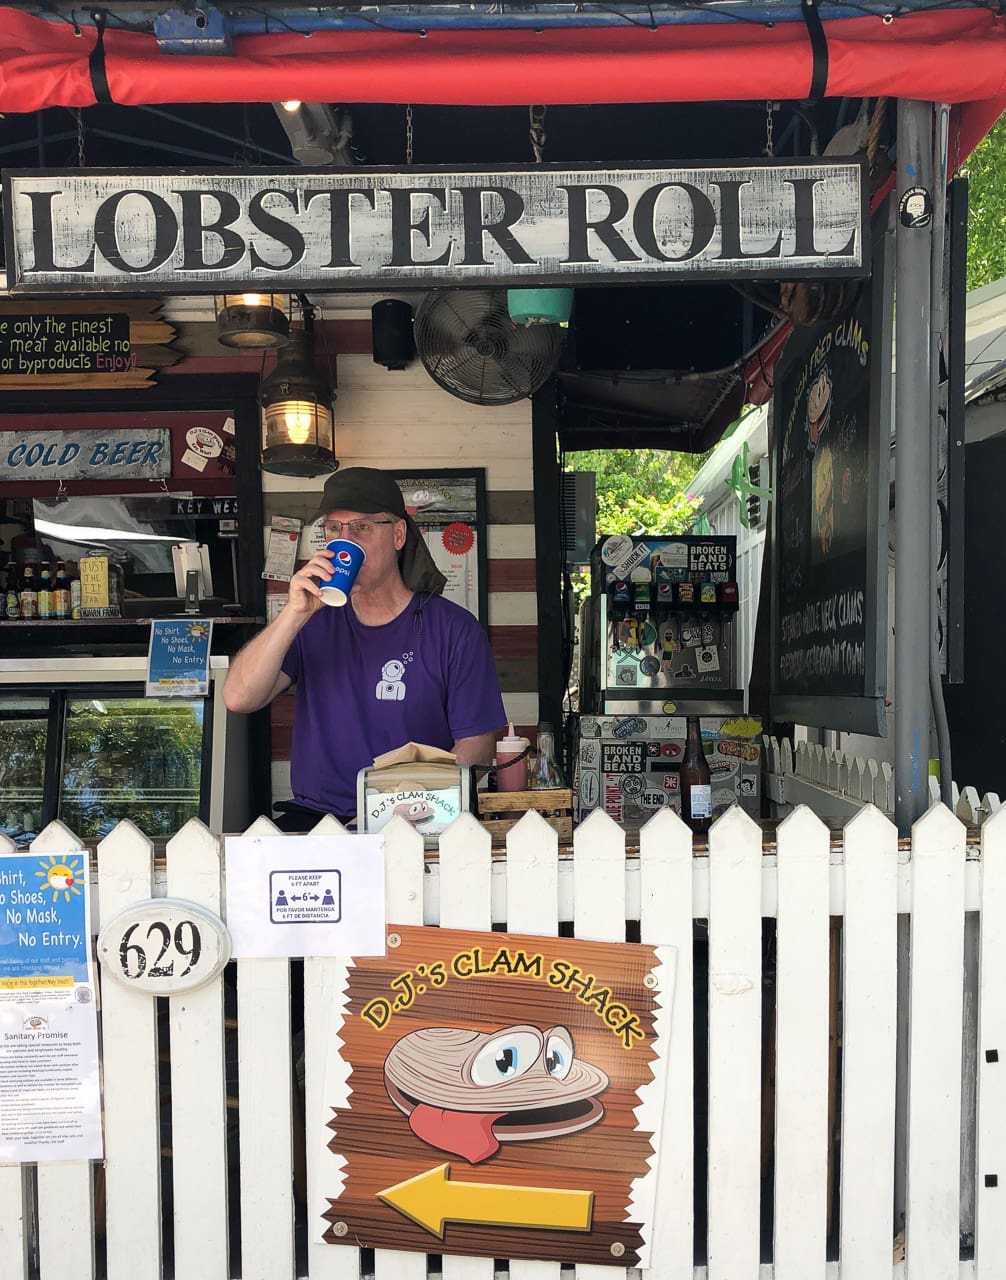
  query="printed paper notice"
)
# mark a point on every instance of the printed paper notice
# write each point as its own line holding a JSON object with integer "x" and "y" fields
{"x": 50, "y": 1102}
{"x": 317, "y": 895}
{"x": 178, "y": 658}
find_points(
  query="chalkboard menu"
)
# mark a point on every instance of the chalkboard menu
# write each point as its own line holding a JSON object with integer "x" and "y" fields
{"x": 41, "y": 343}
{"x": 832, "y": 450}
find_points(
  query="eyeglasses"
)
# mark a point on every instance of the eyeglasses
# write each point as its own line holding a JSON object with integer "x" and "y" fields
{"x": 355, "y": 528}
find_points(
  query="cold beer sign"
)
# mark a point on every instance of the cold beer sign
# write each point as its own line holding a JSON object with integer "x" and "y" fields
{"x": 154, "y": 231}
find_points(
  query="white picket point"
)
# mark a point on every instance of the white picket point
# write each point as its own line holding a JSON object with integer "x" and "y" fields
{"x": 65, "y": 1247}
{"x": 934, "y": 790}
{"x": 665, "y": 918}
{"x": 14, "y": 1192}
{"x": 198, "y": 1081}
{"x": 873, "y": 793}
{"x": 735, "y": 1000}
{"x": 801, "y": 762}
{"x": 833, "y": 762}
{"x": 801, "y": 1108}
{"x": 968, "y": 805}
{"x": 955, "y": 795}
{"x": 819, "y": 773}
{"x": 466, "y": 903}
{"x": 990, "y": 1221}
{"x": 130, "y": 1067}
{"x": 532, "y": 874}
{"x": 844, "y": 773}
{"x": 857, "y": 778}
{"x": 265, "y": 1085}
{"x": 887, "y": 784}
{"x": 599, "y": 914}
{"x": 869, "y": 1005}
{"x": 787, "y": 756}
{"x": 934, "y": 1071}
{"x": 990, "y": 804}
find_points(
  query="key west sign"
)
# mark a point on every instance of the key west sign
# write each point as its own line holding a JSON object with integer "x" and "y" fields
{"x": 166, "y": 231}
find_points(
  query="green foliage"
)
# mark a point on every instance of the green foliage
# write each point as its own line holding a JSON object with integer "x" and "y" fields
{"x": 986, "y": 170}
{"x": 641, "y": 490}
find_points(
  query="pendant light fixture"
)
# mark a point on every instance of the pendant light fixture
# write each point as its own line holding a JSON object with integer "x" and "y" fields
{"x": 298, "y": 426}
{"x": 253, "y": 320}
{"x": 539, "y": 306}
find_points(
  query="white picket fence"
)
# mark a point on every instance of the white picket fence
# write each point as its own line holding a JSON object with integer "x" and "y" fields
{"x": 837, "y": 783}
{"x": 49, "y": 1226}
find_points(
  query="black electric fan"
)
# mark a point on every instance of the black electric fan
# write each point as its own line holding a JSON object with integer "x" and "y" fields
{"x": 471, "y": 347}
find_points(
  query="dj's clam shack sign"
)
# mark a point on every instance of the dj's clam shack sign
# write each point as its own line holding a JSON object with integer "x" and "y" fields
{"x": 495, "y": 1094}
{"x": 157, "y": 231}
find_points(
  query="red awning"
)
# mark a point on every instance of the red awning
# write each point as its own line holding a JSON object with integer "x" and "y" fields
{"x": 954, "y": 56}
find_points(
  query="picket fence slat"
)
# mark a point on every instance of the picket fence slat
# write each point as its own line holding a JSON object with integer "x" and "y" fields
{"x": 802, "y": 986}
{"x": 404, "y": 873}
{"x": 869, "y": 1004}
{"x": 265, "y": 1089}
{"x": 198, "y": 1077}
{"x": 934, "y": 1077}
{"x": 532, "y": 881}
{"x": 599, "y": 894}
{"x": 990, "y": 1221}
{"x": 65, "y": 1190}
{"x": 466, "y": 903}
{"x": 665, "y": 918}
{"x": 324, "y": 985}
{"x": 735, "y": 1026}
{"x": 130, "y": 1071}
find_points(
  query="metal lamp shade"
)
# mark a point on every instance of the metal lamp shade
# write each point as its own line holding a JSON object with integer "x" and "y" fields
{"x": 298, "y": 427}
{"x": 253, "y": 320}
{"x": 539, "y": 306}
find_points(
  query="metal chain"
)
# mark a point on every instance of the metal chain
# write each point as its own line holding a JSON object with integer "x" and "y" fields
{"x": 537, "y": 132}
{"x": 770, "y": 128}
{"x": 81, "y": 158}
{"x": 408, "y": 134}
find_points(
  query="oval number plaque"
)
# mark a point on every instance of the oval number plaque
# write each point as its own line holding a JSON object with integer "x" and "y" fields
{"x": 163, "y": 946}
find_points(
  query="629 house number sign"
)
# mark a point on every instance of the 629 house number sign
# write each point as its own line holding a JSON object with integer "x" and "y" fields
{"x": 163, "y": 946}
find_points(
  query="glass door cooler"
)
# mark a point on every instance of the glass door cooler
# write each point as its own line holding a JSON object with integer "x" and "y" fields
{"x": 80, "y": 742}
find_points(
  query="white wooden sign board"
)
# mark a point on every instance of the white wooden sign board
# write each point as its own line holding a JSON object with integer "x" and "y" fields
{"x": 146, "y": 231}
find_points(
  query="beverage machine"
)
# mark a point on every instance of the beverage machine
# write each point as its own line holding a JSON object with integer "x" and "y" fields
{"x": 658, "y": 643}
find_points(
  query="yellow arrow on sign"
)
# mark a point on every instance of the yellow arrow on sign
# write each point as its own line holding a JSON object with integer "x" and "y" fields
{"x": 432, "y": 1199}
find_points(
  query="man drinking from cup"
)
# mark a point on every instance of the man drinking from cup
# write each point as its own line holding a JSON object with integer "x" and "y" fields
{"x": 398, "y": 663}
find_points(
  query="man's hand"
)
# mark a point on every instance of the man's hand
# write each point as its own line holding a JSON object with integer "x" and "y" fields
{"x": 304, "y": 592}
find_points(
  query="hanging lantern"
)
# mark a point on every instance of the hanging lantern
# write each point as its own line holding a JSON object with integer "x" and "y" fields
{"x": 255, "y": 320}
{"x": 298, "y": 427}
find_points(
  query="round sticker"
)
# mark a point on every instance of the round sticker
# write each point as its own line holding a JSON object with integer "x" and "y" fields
{"x": 631, "y": 785}
{"x": 649, "y": 666}
{"x": 647, "y": 634}
{"x": 458, "y": 538}
{"x": 669, "y": 708}
{"x": 616, "y": 548}
{"x": 915, "y": 208}
{"x": 203, "y": 441}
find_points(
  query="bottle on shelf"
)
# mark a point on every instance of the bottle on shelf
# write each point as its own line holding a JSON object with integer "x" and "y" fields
{"x": 696, "y": 788}
{"x": 545, "y": 773}
{"x": 28, "y": 593}
{"x": 61, "y": 592}
{"x": 46, "y": 605}
{"x": 75, "y": 592}
{"x": 12, "y": 598}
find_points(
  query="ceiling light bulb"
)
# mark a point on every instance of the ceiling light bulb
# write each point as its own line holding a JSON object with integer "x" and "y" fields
{"x": 292, "y": 105}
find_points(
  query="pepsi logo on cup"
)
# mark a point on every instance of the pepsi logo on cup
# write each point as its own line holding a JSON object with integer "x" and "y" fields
{"x": 347, "y": 559}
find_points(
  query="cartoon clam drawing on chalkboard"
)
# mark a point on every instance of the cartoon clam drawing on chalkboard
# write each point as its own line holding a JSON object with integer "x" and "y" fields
{"x": 466, "y": 1091}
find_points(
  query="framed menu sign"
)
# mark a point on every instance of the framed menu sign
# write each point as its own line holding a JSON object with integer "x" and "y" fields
{"x": 449, "y": 506}
{"x": 831, "y": 447}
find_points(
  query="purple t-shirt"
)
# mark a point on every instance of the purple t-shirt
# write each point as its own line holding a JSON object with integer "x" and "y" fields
{"x": 427, "y": 676}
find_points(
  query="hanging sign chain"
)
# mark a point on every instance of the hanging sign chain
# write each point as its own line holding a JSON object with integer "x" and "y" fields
{"x": 770, "y": 129}
{"x": 408, "y": 134}
{"x": 537, "y": 132}
{"x": 81, "y": 158}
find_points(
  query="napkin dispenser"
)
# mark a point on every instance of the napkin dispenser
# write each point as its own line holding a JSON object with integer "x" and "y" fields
{"x": 428, "y": 791}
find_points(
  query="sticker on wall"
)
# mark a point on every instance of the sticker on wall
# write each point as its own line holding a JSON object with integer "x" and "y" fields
{"x": 708, "y": 658}
{"x": 915, "y": 208}
{"x": 616, "y": 548}
{"x": 201, "y": 445}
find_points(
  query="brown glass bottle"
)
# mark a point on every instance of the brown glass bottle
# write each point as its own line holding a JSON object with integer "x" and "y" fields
{"x": 696, "y": 791}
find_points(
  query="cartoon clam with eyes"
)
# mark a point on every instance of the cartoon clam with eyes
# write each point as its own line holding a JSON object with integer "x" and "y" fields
{"x": 467, "y": 1091}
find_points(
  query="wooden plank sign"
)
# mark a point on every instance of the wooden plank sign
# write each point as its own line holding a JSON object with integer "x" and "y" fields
{"x": 67, "y": 345}
{"x": 497, "y": 1095}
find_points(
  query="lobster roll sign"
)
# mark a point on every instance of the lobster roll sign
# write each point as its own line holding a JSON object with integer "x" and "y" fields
{"x": 143, "y": 230}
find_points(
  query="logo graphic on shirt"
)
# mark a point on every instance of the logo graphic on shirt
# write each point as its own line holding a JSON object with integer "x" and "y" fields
{"x": 391, "y": 686}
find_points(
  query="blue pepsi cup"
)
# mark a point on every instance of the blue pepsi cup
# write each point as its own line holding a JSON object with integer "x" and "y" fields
{"x": 346, "y": 565}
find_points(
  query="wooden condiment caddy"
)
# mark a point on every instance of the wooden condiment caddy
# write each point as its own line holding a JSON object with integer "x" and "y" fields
{"x": 498, "y": 811}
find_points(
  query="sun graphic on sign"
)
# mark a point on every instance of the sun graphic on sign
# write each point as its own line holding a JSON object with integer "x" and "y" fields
{"x": 61, "y": 877}
{"x": 197, "y": 631}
